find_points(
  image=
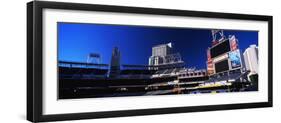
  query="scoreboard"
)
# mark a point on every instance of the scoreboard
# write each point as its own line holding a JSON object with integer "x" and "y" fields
{"x": 220, "y": 48}
{"x": 224, "y": 56}
{"x": 222, "y": 66}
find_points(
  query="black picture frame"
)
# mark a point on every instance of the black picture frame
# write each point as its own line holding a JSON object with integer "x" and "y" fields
{"x": 34, "y": 60}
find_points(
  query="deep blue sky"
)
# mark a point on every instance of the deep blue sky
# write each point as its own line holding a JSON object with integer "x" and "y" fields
{"x": 77, "y": 40}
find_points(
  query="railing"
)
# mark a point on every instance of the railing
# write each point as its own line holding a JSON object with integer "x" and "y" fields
{"x": 81, "y": 64}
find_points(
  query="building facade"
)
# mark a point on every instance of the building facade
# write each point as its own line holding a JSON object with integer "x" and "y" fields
{"x": 251, "y": 59}
{"x": 163, "y": 57}
{"x": 159, "y": 53}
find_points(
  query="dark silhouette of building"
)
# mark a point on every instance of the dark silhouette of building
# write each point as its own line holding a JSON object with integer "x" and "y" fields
{"x": 114, "y": 70}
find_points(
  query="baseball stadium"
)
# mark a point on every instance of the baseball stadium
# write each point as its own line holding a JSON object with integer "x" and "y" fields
{"x": 227, "y": 69}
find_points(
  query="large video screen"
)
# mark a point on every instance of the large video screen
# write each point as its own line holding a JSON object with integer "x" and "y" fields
{"x": 220, "y": 49}
{"x": 222, "y": 66}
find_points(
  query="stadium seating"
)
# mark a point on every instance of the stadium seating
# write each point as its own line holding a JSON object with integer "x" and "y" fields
{"x": 80, "y": 72}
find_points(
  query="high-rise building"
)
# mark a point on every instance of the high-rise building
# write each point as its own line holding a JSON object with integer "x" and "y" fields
{"x": 159, "y": 53}
{"x": 162, "y": 49}
{"x": 251, "y": 59}
{"x": 163, "y": 57}
{"x": 115, "y": 63}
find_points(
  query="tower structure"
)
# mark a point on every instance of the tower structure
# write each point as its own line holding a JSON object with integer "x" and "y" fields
{"x": 94, "y": 58}
{"x": 114, "y": 70}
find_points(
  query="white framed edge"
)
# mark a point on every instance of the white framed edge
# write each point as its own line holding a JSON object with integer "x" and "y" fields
{"x": 53, "y": 106}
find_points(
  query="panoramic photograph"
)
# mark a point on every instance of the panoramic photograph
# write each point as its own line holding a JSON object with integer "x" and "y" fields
{"x": 106, "y": 60}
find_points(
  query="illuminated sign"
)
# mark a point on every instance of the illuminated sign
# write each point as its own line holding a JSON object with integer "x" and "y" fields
{"x": 210, "y": 65}
{"x": 209, "y": 55}
{"x": 235, "y": 59}
{"x": 233, "y": 43}
{"x": 210, "y": 69}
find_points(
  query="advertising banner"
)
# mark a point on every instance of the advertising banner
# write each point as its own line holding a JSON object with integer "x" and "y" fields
{"x": 235, "y": 59}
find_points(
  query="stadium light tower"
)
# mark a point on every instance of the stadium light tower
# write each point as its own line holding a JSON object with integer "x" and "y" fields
{"x": 94, "y": 58}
